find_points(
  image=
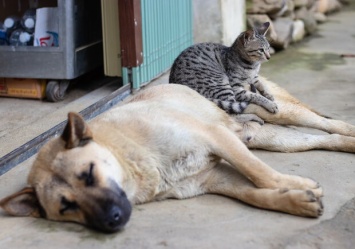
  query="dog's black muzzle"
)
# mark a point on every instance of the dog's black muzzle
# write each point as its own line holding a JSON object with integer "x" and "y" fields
{"x": 109, "y": 211}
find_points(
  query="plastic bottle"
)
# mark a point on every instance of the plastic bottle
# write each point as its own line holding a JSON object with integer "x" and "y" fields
{"x": 11, "y": 23}
{"x": 28, "y": 20}
{"x": 20, "y": 37}
{"x": 3, "y": 35}
{"x": 26, "y": 38}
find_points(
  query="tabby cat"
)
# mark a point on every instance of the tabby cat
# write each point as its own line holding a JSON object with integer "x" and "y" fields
{"x": 224, "y": 74}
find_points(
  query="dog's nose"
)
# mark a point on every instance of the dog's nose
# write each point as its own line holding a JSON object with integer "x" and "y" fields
{"x": 114, "y": 218}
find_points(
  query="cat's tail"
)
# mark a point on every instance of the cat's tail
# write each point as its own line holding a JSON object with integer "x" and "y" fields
{"x": 231, "y": 107}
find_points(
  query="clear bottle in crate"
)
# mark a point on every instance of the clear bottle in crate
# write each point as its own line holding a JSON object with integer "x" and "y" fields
{"x": 11, "y": 23}
{"x": 20, "y": 37}
{"x": 28, "y": 20}
{"x": 3, "y": 35}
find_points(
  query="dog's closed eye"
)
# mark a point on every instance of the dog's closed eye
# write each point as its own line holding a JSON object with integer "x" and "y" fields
{"x": 67, "y": 205}
{"x": 88, "y": 176}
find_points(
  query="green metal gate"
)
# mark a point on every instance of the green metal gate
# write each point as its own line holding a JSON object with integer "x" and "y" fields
{"x": 166, "y": 31}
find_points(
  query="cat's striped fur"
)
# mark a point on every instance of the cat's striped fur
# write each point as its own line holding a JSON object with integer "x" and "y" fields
{"x": 222, "y": 73}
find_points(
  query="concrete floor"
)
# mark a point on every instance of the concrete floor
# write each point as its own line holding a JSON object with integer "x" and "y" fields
{"x": 314, "y": 72}
{"x": 24, "y": 119}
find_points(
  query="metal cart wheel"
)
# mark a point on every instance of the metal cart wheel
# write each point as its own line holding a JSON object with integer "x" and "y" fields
{"x": 55, "y": 90}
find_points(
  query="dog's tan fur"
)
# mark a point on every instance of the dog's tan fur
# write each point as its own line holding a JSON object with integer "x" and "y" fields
{"x": 274, "y": 136}
{"x": 167, "y": 142}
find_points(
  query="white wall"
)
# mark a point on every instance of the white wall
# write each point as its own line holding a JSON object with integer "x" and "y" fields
{"x": 219, "y": 21}
{"x": 233, "y": 17}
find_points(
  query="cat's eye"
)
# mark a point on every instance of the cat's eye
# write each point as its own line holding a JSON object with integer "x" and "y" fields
{"x": 261, "y": 50}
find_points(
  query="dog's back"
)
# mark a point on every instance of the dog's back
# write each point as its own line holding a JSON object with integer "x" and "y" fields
{"x": 183, "y": 100}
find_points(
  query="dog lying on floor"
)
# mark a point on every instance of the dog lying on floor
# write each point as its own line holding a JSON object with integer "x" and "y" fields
{"x": 167, "y": 142}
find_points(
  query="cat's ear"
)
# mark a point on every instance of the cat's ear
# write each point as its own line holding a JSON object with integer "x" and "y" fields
{"x": 263, "y": 28}
{"x": 248, "y": 36}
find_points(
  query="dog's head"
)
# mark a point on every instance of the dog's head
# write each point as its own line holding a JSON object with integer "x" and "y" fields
{"x": 74, "y": 179}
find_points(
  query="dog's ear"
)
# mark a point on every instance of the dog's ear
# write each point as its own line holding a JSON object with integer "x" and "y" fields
{"x": 77, "y": 132}
{"x": 22, "y": 203}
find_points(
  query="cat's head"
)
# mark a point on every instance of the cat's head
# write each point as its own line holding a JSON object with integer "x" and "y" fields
{"x": 254, "y": 43}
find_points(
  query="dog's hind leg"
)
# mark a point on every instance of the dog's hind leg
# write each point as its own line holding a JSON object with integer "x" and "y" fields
{"x": 224, "y": 180}
{"x": 286, "y": 139}
{"x": 229, "y": 147}
{"x": 293, "y": 112}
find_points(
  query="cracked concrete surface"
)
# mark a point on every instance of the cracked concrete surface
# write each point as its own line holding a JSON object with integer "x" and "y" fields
{"x": 314, "y": 72}
{"x": 337, "y": 232}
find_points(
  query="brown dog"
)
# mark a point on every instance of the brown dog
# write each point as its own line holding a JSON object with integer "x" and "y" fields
{"x": 167, "y": 142}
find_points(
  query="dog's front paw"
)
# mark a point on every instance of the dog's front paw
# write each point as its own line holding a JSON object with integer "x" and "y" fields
{"x": 250, "y": 129}
{"x": 284, "y": 181}
{"x": 302, "y": 203}
{"x": 299, "y": 182}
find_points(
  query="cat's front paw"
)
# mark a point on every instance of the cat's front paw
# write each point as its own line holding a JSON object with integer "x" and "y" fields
{"x": 268, "y": 96}
{"x": 272, "y": 107}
